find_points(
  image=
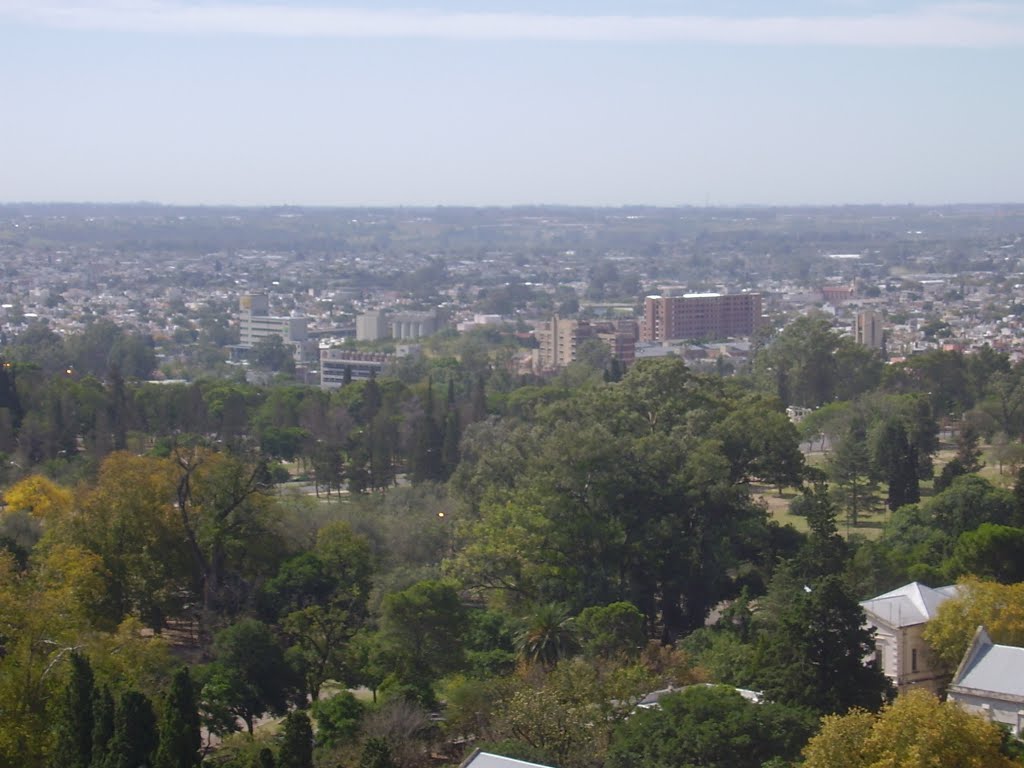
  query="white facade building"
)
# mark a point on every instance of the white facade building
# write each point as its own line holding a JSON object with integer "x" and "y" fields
{"x": 899, "y": 618}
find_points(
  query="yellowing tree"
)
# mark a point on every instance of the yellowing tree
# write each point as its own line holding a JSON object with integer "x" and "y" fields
{"x": 44, "y": 612}
{"x": 915, "y": 731}
{"x": 1000, "y": 607}
{"x": 129, "y": 520}
{"x": 40, "y": 497}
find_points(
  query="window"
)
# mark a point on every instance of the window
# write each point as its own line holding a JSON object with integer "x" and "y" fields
{"x": 913, "y": 660}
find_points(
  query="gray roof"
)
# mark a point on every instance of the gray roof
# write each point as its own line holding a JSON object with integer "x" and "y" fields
{"x": 487, "y": 760}
{"x": 991, "y": 668}
{"x": 911, "y": 604}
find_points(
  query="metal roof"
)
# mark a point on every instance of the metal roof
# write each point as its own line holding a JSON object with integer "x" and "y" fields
{"x": 911, "y": 604}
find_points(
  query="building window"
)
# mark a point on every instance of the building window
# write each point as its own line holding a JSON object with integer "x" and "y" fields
{"x": 913, "y": 660}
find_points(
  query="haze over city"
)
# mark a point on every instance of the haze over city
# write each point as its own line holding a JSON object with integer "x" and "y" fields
{"x": 457, "y": 103}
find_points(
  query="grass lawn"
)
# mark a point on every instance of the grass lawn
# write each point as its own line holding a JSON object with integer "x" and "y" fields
{"x": 869, "y": 526}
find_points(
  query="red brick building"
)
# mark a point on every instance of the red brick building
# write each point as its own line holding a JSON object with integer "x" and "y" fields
{"x": 706, "y": 316}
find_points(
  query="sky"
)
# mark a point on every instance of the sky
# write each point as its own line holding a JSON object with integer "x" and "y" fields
{"x": 509, "y": 102}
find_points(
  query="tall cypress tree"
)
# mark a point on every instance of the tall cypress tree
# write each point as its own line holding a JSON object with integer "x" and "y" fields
{"x": 103, "y": 725}
{"x": 426, "y": 463}
{"x": 297, "y": 742}
{"x": 179, "y": 725}
{"x": 135, "y": 735}
{"x": 450, "y": 443}
{"x": 73, "y": 721}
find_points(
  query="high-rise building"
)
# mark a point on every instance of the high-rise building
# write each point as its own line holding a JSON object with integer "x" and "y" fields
{"x": 254, "y": 323}
{"x": 869, "y": 330}
{"x": 559, "y": 340}
{"x": 705, "y": 316}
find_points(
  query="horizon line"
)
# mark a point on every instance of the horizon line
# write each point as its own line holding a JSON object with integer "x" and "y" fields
{"x": 433, "y": 206}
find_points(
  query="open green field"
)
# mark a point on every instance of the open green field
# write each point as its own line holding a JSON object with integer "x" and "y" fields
{"x": 870, "y": 526}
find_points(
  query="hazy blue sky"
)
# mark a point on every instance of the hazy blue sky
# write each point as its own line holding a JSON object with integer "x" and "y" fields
{"x": 602, "y": 102}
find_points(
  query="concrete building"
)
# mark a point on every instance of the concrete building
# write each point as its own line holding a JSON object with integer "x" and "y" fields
{"x": 372, "y": 326}
{"x": 254, "y": 324}
{"x": 990, "y": 682}
{"x": 558, "y": 340}
{"x": 899, "y": 618}
{"x": 413, "y": 325}
{"x": 868, "y": 329}
{"x": 340, "y": 366}
{"x": 706, "y": 316}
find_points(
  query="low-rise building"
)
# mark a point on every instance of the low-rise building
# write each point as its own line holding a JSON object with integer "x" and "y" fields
{"x": 990, "y": 682}
{"x": 899, "y": 618}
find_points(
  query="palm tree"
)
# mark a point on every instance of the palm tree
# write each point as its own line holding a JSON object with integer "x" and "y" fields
{"x": 547, "y": 636}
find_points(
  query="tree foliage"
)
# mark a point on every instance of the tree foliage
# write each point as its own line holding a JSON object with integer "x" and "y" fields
{"x": 999, "y": 607}
{"x": 914, "y": 730}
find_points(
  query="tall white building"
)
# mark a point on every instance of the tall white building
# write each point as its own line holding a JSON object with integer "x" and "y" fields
{"x": 254, "y": 324}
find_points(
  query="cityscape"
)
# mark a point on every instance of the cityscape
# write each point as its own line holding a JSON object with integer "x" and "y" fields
{"x": 511, "y": 385}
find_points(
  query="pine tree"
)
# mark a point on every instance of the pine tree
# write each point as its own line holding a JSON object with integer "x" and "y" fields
{"x": 812, "y": 652}
{"x": 824, "y": 551}
{"x": 179, "y": 725}
{"x": 103, "y": 725}
{"x": 849, "y": 469}
{"x": 296, "y": 742}
{"x": 967, "y": 450}
{"x": 135, "y": 735}
{"x": 73, "y": 720}
{"x": 265, "y": 759}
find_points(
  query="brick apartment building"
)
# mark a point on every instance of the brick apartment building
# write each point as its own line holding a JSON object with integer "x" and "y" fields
{"x": 705, "y": 316}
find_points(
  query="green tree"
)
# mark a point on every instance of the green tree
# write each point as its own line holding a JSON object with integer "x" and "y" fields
{"x": 73, "y": 719}
{"x": 376, "y": 754}
{"x": 248, "y": 676}
{"x": 618, "y": 492}
{"x": 611, "y": 631}
{"x": 338, "y": 719}
{"x": 296, "y": 742}
{"x": 895, "y": 461}
{"x": 799, "y": 365}
{"x": 713, "y": 727}
{"x": 271, "y": 354}
{"x": 180, "y": 739}
{"x": 824, "y": 552}
{"x": 849, "y": 469}
{"x": 991, "y": 552}
{"x": 421, "y": 631}
{"x": 103, "y": 725}
{"x": 229, "y": 521}
{"x": 812, "y": 649}
{"x": 135, "y": 736}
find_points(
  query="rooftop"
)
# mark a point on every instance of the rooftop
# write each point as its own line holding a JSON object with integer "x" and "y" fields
{"x": 911, "y": 604}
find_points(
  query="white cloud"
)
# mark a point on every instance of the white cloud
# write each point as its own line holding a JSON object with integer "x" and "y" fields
{"x": 981, "y": 24}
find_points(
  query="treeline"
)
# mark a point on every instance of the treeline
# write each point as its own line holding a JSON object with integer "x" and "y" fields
{"x": 541, "y": 557}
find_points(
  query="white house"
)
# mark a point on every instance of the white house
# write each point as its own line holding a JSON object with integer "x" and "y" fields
{"x": 899, "y": 618}
{"x": 990, "y": 682}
